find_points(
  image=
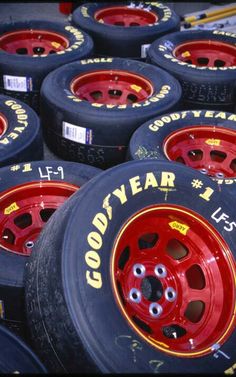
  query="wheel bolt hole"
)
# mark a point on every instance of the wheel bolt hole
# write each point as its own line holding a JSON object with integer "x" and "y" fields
{"x": 135, "y": 295}
{"x": 160, "y": 271}
{"x": 29, "y": 244}
{"x": 220, "y": 175}
{"x": 170, "y": 294}
{"x": 139, "y": 270}
{"x": 155, "y": 309}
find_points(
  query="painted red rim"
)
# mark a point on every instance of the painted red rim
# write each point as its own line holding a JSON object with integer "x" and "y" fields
{"x": 209, "y": 53}
{"x": 112, "y": 87}
{"x": 25, "y": 209}
{"x": 3, "y": 125}
{"x": 33, "y": 42}
{"x": 173, "y": 278}
{"x": 212, "y": 150}
{"x": 126, "y": 16}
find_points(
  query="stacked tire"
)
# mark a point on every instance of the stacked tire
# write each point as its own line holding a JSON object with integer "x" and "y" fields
{"x": 30, "y": 192}
{"x": 137, "y": 256}
{"x": 32, "y": 49}
{"x": 148, "y": 245}
{"x": 90, "y": 108}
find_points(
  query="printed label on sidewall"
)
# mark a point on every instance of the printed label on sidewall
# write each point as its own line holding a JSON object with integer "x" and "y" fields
{"x": 75, "y": 133}
{"x": 17, "y": 83}
{"x": 144, "y": 49}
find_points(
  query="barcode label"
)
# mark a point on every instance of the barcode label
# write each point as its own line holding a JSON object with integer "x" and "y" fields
{"x": 144, "y": 49}
{"x": 76, "y": 133}
{"x": 17, "y": 83}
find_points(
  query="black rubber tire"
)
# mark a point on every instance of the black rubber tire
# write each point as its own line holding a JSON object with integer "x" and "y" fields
{"x": 12, "y": 264}
{"x": 34, "y": 69}
{"x": 126, "y": 42}
{"x": 109, "y": 128}
{"x": 202, "y": 86}
{"x": 22, "y": 139}
{"x": 75, "y": 305}
{"x": 16, "y": 357}
{"x": 147, "y": 141}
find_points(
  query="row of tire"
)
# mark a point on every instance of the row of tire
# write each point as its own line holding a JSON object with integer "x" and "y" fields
{"x": 90, "y": 266}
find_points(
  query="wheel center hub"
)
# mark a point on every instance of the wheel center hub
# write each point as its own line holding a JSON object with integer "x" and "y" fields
{"x": 151, "y": 288}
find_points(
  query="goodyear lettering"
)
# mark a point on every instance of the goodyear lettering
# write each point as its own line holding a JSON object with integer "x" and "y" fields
{"x": 226, "y": 181}
{"x": 232, "y": 117}
{"x": 160, "y": 122}
{"x": 21, "y": 116}
{"x": 230, "y": 370}
{"x": 92, "y": 259}
{"x": 166, "y": 10}
{"x": 101, "y": 220}
{"x": 79, "y": 39}
{"x": 84, "y": 11}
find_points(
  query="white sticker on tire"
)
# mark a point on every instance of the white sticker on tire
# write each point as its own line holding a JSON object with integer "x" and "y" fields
{"x": 17, "y": 83}
{"x": 76, "y": 133}
{"x": 144, "y": 49}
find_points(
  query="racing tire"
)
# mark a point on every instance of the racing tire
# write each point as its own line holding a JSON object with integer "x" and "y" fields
{"x": 29, "y": 194}
{"x": 20, "y": 132}
{"x": 204, "y": 63}
{"x": 123, "y": 30}
{"x": 202, "y": 139}
{"x": 16, "y": 356}
{"x": 86, "y": 119}
{"x": 23, "y": 65}
{"x": 106, "y": 267}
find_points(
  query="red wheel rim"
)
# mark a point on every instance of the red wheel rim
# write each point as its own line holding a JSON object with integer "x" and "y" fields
{"x": 173, "y": 278}
{"x": 33, "y": 42}
{"x": 208, "y": 53}
{"x": 212, "y": 150}
{"x": 126, "y": 16}
{"x": 25, "y": 209}
{"x": 111, "y": 87}
{"x": 3, "y": 125}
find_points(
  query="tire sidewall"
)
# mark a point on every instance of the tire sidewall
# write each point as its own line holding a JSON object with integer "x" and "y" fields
{"x": 22, "y": 139}
{"x": 101, "y": 300}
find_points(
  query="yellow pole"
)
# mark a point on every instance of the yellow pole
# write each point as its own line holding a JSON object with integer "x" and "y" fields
{"x": 211, "y": 19}
{"x": 208, "y": 14}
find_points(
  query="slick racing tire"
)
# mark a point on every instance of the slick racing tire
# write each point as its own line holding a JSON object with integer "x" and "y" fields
{"x": 90, "y": 108}
{"x": 204, "y": 62}
{"x": 125, "y": 30}
{"x": 32, "y": 49}
{"x": 202, "y": 139}
{"x": 140, "y": 259}
{"x": 16, "y": 356}
{"x": 20, "y": 132}
{"x": 29, "y": 194}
